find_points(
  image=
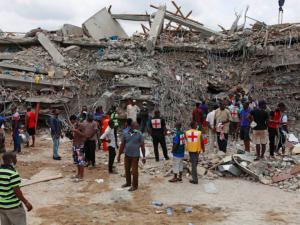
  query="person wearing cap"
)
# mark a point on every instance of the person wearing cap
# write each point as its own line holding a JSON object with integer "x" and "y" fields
{"x": 56, "y": 132}
{"x": 158, "y": 131}
{"x": 90, "y": 129}
{"x": 259, "y": 124}
{"x": 144, "y": 115}
{"x": 132, "y": 110}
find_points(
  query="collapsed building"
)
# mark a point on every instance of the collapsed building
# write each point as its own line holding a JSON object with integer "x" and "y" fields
{"x": 174, "y": 63}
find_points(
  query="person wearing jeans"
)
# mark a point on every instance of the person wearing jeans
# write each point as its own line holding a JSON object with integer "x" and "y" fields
{"x": 15, "y": 129}
{"x": 109, "y": 136}
{"x": 56, "y": 133}
{"x": 194, "y": 145}
{"x": 132, "y": 142}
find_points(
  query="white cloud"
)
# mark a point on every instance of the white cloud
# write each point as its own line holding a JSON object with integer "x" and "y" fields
{"x": 23, "y": 15}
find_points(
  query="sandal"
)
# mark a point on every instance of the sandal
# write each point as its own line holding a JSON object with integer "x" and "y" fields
{"x": 173, "y": 180}
{"x": 77, "y": 180}
{"x": 257, "y": 159}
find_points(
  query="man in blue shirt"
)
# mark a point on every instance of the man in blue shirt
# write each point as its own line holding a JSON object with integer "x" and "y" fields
{"x": 178, "y": 153}
{"x": 56, "y": 133}
{"x": 245, "y": 126}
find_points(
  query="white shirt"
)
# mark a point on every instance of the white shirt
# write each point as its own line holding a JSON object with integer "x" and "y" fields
{"x": 284, "y": 119}
{"x": 109, "y": 134}
{"x": 210, "y": 118}
{"x": 132, "y": 112}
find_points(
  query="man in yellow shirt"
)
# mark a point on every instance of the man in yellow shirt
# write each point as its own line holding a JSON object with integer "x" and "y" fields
{"x": 194, "y": 145}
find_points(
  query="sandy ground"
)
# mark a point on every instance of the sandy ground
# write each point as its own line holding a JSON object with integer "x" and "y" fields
{"x": 62, "y": 202}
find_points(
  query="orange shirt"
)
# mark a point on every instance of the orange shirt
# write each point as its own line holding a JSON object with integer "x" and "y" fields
{"x": 276, "y": 118}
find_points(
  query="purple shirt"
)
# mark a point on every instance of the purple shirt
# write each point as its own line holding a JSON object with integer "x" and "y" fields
{"x": 244, "y": 117}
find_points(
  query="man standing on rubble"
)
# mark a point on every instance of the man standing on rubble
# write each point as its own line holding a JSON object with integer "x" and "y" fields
{"x": 273, "y": 130}
{"x": 78, "y": 147}
{"x": 11, "y": 198}
{"x": 283, "y": 128}
{"x": 90, "y": 128}
{"x": 144, "y": 115}
{"x": 259, "y": 124}
{"x": 198, "y": 116}
{"x": 30, "y": 124}
{"x": 114, "y": 118}
{"x": 132, "y": 142}
{"x": 211, "y": 132}
{"x": 56, "y": 132}
{"x": 15, "y": 129}
{"x": 109, "y": 137}
{"x": 245, "y": 126}
{"x": 221, "y": 125}
{"x": 194, "y": 145}
{"x": 132, "y": 110}
{"x": 158, "y": 131}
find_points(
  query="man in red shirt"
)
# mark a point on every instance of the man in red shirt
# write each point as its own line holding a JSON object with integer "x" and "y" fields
{"x": 198, "y": 116}
{"x": 30, "y": 124}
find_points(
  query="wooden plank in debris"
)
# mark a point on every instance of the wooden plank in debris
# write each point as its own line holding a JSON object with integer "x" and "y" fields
{"x": 45, "y": 179}
{"x": 156, "y": 28}
{"x": 192, "y": 25}
{"x": 131, "y": 17}
{"x": 51, "y": 49}
{"x": 6, "y": 56}
{"x": 22, "y": 68}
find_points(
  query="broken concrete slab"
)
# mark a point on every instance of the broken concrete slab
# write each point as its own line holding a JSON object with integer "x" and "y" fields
{"x": 23, "y": 68}
{"x": 69, "y": 30}
{"x": 6, "y": 56}
{"x": 51, "y": 49}
{"x": 72, "y": 50}
{"x": 21, "y": 82}
{"x": 204, "y": 30}
{"x": 281, "y": 177}
{"x": 156, "y": 28}
{"x": 102, "y": 25}
{"x": 142, "y": 82}
{"x": 231, "y": 169}
{"x": 131, "y": 17}
{"x": 110, "y": 70}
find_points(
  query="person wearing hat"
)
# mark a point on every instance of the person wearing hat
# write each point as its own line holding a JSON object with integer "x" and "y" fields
{"x": 144, "y": 115}
{"x": 132, "y": 110}
{"x": 90, "y": 129}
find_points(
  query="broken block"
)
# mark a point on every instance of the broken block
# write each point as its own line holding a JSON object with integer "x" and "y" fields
{"x": 281, "y": 177}
{"x": 69, "y": 30}
{"x": 51, "y": 49}
{"x": 102, "y": 25}
{"x": 295, "y": 170}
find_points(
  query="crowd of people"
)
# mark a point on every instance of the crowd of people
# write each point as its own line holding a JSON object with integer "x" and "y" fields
{"x": 238, "y": 116}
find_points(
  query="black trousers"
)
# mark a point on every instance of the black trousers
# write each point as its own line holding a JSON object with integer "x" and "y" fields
{"x": 111, "y": 158}
{"x": 273, "y": 133}
{"x": 160, "y": 139}
{"x": 116, "y": 135}
{"x": 282, "y": 140}
{"x": 222, "y": 143}
{"x": 90, "y": 151}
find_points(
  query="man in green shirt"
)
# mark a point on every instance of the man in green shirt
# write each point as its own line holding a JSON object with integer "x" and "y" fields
{"x": 11, "y": 196}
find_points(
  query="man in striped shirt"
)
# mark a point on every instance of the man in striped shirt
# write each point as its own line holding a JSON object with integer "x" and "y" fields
{"x": 11, "y": 196}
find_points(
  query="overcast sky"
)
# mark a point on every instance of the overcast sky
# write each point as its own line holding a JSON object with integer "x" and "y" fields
{"x": 23, "y": 15}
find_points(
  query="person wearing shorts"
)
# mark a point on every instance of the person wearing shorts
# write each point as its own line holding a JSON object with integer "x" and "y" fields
{"x": 178, "y": 153}
{"x": 78, "y": 147}
{"x": 260, "y": 132}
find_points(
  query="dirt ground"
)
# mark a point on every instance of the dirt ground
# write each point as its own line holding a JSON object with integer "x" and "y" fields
{"x": 62, "y": 202}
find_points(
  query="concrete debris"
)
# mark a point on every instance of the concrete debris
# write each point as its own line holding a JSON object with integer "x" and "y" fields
{"x": 102, "y": 25}
{"x": 51, "y": 49}
{"x": 69, "y": 30}
{"x": 156, "y": 28}
{"x": 131, "y": 17}
{"x": 231, "y": 169}
{"x": 36, "y": 70}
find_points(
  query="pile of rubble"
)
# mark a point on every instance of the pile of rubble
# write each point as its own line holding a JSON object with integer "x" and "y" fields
{"x": 171, "y": 65}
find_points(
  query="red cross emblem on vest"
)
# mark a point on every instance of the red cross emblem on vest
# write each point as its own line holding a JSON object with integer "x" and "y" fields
{"x": 156, "y": 124}
{"x": 234, "y": 113}
{"x": 193, "y": 137}
{"x": 182, "y": 139}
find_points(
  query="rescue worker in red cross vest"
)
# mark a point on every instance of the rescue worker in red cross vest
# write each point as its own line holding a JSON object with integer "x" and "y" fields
{"x": 158, "y": 131}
